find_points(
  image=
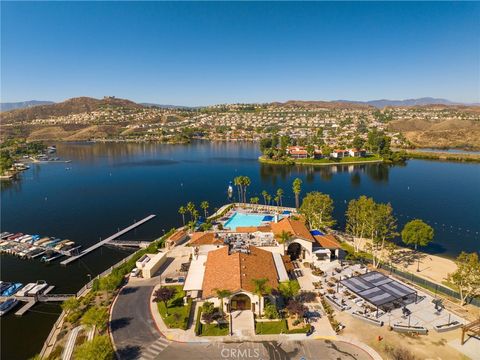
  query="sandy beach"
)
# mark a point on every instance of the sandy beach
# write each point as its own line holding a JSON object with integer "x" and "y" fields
{"x": 432, "y": 267}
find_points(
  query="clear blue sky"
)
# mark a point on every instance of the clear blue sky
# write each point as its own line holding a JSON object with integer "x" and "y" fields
{"x": 207, "y": 53}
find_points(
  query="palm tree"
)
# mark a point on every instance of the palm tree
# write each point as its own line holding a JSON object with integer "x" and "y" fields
{"x": 277, "y": 200}
{"x": 222, "y": 293}
{"x": 264, "y": 194}
{"x": 204, "y": 205}
{"x": 246, "y": 183}
{"x": 261, "y": 288}
{"x": 182, "y": 210}
{"x": 269, "y": 198}
{"x": 297, "y": 188}
{"x": 284, "y": 238}
{"x": 280, "y": 195}
{"x": 195, "y": 215}
{"x": 238, "y": 183}
{"x": 190, "y": 208}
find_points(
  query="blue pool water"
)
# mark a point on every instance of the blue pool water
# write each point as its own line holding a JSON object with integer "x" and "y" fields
{"x": 316, "y": 232}
{"x": 239, "y": 219}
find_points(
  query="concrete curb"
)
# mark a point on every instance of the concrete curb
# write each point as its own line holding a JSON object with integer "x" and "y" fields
{"x": 373, "y": 354}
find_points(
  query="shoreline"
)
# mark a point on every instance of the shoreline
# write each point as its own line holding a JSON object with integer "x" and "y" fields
{"x": 262, "y": 160}
{"x": 443, "y": 156}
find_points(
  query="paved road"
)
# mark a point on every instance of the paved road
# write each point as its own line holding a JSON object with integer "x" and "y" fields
{"x": 136, "y": 337}
{"x": 300, "y": 350}
{"x": 133, "y": 328}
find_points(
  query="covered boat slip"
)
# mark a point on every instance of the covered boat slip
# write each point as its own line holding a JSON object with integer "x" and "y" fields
{"x": 378, "y": 289}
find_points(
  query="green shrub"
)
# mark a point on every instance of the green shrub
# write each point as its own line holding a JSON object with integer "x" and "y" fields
{"x": 73, "y": 317}
{"x": 271, "y": 311}
{"x": 99, "y": 348}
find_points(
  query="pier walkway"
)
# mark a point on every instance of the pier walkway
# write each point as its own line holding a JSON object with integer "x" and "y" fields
{"x": 102, "y": 242}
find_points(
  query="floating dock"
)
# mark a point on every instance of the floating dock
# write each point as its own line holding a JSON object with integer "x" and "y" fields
{"x": 103, "y": 242}
{"x": 26, "y": 307}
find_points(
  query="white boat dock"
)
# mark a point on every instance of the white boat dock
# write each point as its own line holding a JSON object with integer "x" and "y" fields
{"x": 102, "y": 242}
{"x": 26, "y": 307}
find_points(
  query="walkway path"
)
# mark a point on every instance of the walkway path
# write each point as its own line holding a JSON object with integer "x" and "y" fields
{"x": 242, "y": 323}
{"x": 68, "y": 351}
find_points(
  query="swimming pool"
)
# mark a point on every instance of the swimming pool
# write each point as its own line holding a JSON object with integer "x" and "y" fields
{"x": 240, "y": 219}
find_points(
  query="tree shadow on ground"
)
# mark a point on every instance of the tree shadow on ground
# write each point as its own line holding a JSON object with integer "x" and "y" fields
{"x": 120, "y": 323}
{"x": 128, "y": 352}
{"x": 128, "y": 290}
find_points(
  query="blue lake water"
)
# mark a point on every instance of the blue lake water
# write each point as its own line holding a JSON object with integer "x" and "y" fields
{"x": 108, "y": 186}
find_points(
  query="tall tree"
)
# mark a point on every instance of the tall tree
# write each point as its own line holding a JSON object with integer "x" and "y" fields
{"x": 417, "y": 233}
{"x": 190, "y": 209}
{"x": 182, "y": 210}
{"x": 264, "y": 194}
{"x": 245, "y": 183}
{"x": 238, "y": 183}
{"x": 261, "y": 289}
{"x": 317, "y": 209}
{"x": 222, "y": 294}
{"x": 359, "y": 213}
{"x": 277, "y": 200}
{"x": 205, "y": 205}
{"x": 381, "y": 225}
{"x": 284, "y": 238}
{"x": 467, "y": 276}
{"x": 269, "y": 199}
{"x": 280, "y": 196}
{"x": 297, "y": 188}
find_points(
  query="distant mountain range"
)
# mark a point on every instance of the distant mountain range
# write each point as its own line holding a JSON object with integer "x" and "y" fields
{"x": 407, "y": 102}
{"x": 293, "y": 103}
{"x": 6, "y": 106}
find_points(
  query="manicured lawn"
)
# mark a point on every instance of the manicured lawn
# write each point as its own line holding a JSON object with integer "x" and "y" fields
{"x": 210, "y": 329}
{"x": 271, "y": 327}
{"x": 214, "y": 330}
{"x": 177, "y": 314}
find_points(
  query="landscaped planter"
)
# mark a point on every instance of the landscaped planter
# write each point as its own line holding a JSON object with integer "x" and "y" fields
{"x": 447, "y": 327}
{"x": 335, "y": 304}
{"x": 367, "y": 319}
{"x": 407, "y": 329}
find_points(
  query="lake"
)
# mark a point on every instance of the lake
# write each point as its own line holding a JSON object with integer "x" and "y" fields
{"x": 108, "y": 186}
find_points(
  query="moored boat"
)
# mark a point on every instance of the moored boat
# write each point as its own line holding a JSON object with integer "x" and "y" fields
{"x": 7, "y": 305}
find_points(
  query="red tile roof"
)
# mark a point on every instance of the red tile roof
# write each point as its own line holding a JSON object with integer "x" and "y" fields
{"x": 296, "y": 227}
{"x": 204, "y": 238}
{"x": 177, "y": 236}
{"x": 235, "y": 271}
{"x": 327, "y": 241}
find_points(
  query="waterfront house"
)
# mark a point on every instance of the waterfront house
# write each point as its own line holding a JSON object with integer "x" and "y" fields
{"x": 357, "y": 152}
{"x": 297, "y": 152}
{"x": 339, "y": 154}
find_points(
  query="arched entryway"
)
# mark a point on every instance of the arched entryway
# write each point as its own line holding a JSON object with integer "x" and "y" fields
{"x": 240, "y": 302}
{"x": 294, "y": 250}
